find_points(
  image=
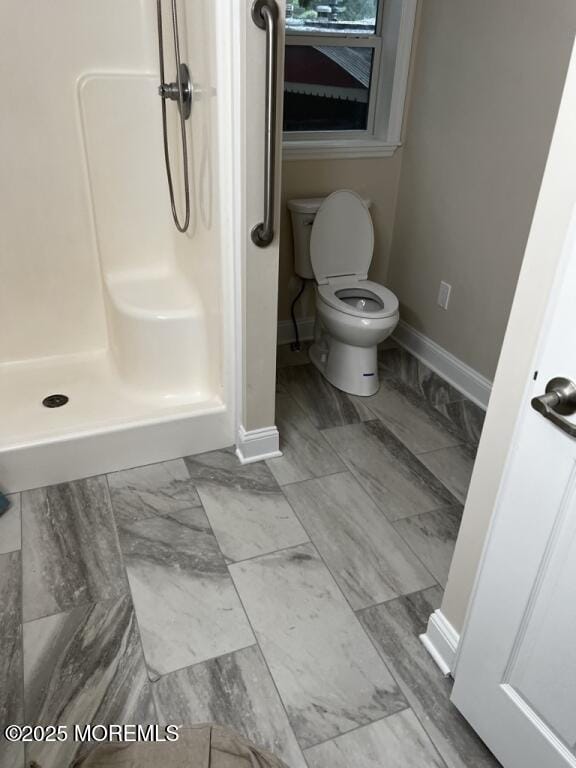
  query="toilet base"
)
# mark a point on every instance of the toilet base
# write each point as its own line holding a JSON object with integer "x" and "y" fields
{"x": 352, "y": 369}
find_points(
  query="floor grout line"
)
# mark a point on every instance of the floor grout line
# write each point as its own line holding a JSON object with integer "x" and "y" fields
{"x": 132, "y": 603}
{"x": 265, "y": 660}
{"x": 355, "y": 613}
{"x": 402, "y": 685}
{"x": 407, "y": 708}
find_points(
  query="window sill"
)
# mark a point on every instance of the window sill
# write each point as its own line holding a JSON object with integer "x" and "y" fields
{"x": 337, "y": 149}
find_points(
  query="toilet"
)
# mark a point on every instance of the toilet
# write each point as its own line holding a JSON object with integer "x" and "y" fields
{"x": 334, "y": 244}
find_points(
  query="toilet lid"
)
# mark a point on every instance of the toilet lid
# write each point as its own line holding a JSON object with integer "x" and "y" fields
{"x": 342, "y": 238}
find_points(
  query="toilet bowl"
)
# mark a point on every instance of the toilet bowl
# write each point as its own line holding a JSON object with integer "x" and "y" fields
{"x": 353, "y": 314}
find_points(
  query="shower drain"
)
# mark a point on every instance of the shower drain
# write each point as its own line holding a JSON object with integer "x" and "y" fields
{"x": 55, "y": 401}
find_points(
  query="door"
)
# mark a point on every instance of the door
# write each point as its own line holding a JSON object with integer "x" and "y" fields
{"x": 516, "y": 675}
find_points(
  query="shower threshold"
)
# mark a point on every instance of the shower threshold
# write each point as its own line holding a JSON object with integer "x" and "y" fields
{"x": 104, "y": 425}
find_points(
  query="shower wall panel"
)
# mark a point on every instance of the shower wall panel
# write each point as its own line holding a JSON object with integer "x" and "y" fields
{"x": 50, "y": 280}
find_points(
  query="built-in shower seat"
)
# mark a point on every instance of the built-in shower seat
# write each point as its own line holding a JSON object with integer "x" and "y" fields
{"x": 157, "y": 332}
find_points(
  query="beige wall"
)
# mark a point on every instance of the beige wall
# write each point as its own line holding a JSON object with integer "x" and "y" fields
{"x": 486, "y": 89}
{"x": 374, "y": 178}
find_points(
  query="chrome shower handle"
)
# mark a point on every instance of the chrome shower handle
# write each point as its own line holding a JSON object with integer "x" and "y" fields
{"x": 265, "y": 15}
{"x": 172, "y": 91}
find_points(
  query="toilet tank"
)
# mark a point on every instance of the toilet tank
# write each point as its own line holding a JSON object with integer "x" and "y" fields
{"x": 303, "y": 212}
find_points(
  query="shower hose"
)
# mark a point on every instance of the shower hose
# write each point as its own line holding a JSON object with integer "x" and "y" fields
{"x": 182, "y": 226}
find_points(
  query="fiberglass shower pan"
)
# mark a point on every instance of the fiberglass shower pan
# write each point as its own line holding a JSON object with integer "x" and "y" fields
{"x": 102, "y": 300}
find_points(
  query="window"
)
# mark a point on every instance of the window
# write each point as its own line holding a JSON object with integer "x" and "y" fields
{"x": 346, "y": 71}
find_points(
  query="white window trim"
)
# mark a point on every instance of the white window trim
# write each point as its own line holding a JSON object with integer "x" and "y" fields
{"x": 382, "y": 140}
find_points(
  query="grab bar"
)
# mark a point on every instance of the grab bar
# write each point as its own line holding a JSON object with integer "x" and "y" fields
{"x": 265, "y": 15}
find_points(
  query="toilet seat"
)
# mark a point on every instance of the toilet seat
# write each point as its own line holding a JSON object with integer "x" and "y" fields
{"x": 342, "y": 238}
{"x": 342, "y": 295}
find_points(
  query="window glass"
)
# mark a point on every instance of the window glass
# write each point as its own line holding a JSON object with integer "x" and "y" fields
{"x": 327, "y": 88}
{"x": 345, "y": 17}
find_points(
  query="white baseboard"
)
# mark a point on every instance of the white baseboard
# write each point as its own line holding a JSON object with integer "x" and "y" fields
{"x": 286, "y": 330}
{"x": 464, "y": 378}
{"x": 441, "y": 641}
{"x": 257, "y": 444}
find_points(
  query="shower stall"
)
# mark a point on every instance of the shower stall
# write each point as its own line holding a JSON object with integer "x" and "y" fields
{"x": 119, "y": 313}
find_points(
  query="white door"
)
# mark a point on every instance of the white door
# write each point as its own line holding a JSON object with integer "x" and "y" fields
{"x": 516, "y": 676}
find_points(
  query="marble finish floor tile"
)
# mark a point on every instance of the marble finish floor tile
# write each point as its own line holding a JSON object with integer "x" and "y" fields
{"x": 69, "y": 548}
{"x": 11, "y": 699}
{"x": 366, "y": 556}
{"x": 306, "y": 452}
{"x": 407, "y": 414}
{"x": 325, "y": 405}
{"x": 10, "y": 527}
{"x": 234, "y": 690}
{"x": 399, "y": 363}
{"x": 84, "y": 666}
{"x": 453, "y": 467}
{"x": 398, "y": 741}
{"x": 468, "y": 419}
{"x": 327, "y": 672}
{"x": 395, "y": 628}
{"x": 432, "y": 536}
{"x": 245, "y": 505}
{"x": 397, "y": 481}
{"x": 157, "y": 489}
{"x": 187, "y": 607}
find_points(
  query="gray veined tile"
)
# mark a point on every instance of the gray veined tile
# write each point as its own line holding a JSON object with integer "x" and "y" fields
{"x": 234, "y": 690}
{"x": 407, "y": 414}
{"x": 453, "y": 467}
{"x": 187, "y": 607}
{"x": 325, "y": 405}
{"x": 157, "y": 489}
{"x": 395, "y": 628}
{"x": 368, "y": 559}
{"x": 11, "y": 700}
{"x": 398, "y": 741}
{"x": 327, "y": 672}
{"x": 10, "y": 592}
{"x": 432, "y": 536}
{"x": 245, "y": 505}
{"x": 306, "y": 453}
{"x": 397, "y": 481}
{"x": 467, "y": 417}
{"x": 84, "y": 666}
{"x": 10, "y": 526}
{"x": 400, "y": 364}
{"x": 69, "y": 548}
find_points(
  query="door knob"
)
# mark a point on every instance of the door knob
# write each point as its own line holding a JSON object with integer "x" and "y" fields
{"x": 558, "y": 401}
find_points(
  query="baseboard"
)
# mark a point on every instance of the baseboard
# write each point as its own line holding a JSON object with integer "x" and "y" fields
{"x": 286, "y": 330}
{"x": 257, "y": 444}
{"x": 464, "y": 378}
{"x": 441, "y": 641}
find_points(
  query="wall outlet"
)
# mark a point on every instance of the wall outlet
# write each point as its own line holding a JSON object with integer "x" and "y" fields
{"x": 444, "y": 295}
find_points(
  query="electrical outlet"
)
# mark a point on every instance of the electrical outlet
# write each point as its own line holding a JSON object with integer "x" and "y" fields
{"x": 444, "y": 295}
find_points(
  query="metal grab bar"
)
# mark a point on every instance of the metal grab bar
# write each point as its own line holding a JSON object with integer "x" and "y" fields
{"x": 265, "y": 15}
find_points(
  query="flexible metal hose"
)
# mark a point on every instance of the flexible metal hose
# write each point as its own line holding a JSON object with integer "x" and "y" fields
{"x": 181, "y": 226}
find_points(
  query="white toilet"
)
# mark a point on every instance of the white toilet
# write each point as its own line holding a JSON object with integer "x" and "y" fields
{"x": 334, "y": 244}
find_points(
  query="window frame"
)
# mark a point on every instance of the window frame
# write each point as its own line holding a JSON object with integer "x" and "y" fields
{"x": 382, "y": 135}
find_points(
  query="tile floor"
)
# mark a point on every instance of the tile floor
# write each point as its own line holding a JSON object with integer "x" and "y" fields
{"x": 283, "y": 598}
